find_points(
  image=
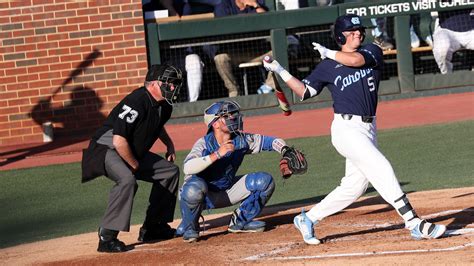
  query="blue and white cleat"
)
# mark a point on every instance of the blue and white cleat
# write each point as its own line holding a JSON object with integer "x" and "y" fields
{"x": 305, "y": 226}
{"x": 190, "y": 236}
{"x": 425, "y": 230}
{"x": 250, "y": 227}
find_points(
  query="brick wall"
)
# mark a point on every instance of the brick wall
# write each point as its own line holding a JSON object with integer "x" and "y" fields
{"x": 66, "y": 62}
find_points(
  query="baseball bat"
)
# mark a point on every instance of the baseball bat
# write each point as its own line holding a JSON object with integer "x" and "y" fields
{"x": 282, "y": 100}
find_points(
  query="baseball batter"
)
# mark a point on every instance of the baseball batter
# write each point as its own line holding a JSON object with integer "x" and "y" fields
{"x": 352, "y": 75}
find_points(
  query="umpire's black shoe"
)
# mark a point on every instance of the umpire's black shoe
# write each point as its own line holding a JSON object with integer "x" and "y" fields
{"x": 156, "y": 233}
{"x": 108, "y": 241}
{"x": 112, "y": 246}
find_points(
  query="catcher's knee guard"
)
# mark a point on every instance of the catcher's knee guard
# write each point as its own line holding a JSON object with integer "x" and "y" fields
{"x": 261, "y": 187}
{"x": 260, "y": 182}
{"x": 191, "y": 201}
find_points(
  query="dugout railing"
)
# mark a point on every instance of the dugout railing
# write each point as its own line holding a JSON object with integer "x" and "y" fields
{"x": 308, "y": 24}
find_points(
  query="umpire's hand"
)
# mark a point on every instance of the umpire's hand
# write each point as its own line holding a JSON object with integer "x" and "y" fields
{"x": 170, "y": 155}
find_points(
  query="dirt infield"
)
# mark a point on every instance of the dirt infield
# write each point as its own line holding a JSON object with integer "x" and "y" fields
{"x": 368, "y": 232}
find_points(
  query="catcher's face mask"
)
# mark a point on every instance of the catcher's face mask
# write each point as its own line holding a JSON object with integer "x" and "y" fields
{"x": 229, "y": 111}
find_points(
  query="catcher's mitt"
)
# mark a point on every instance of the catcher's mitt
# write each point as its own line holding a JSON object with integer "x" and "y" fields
{"x": 293, "y": 162}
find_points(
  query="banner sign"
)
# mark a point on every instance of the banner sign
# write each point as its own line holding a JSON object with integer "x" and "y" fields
{"x": 407, "y": 7}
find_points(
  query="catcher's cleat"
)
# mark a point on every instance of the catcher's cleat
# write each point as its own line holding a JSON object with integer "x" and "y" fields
{"x": 190, "y": 236}
{"x": 156, "y": 233}
{"x": 250, "y": 227}
{"x": 305, "y": 226}
{"x": 426, "y": 230}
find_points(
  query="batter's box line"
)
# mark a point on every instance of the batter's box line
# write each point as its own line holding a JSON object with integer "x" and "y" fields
{"x": 437, "y": 214}
{"x": 465, "y": 231}
{"x": 360, "y": 254}
{"x": 456, "y": 232}
{"x": 381, "y": 224}
{"x": 273, "y": 252}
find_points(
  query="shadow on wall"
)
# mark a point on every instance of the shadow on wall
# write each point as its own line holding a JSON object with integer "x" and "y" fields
{"x": 74, "y": 122}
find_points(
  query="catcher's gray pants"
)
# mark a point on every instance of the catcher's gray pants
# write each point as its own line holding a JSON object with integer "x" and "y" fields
{"x": 162, "y": 201}
{"x": 238, "y": 192}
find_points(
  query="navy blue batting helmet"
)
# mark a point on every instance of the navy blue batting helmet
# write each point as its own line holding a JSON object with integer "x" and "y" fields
{"x": 348, "y": 22}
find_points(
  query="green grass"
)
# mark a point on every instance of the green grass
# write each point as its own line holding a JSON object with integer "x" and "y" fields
{"x": 47, "y": 202}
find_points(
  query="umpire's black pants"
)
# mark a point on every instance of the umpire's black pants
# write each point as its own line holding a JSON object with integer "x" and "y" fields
{"x": 162, "y": 201}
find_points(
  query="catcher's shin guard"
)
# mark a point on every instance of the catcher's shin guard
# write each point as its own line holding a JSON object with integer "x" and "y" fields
{"x": 261, "y": 186}
{"x": 191, "y": 203}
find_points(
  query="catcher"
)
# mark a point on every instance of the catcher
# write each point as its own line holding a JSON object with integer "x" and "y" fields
{"x": 210, "y": 172}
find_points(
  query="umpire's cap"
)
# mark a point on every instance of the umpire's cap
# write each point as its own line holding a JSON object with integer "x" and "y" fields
{"x": 348, "y": 22}
{"x": 162, "y": 72}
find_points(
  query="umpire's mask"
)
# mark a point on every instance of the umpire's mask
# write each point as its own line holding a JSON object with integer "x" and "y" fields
{"x": 229, "y": 110}
{"x": 171, "y": 78}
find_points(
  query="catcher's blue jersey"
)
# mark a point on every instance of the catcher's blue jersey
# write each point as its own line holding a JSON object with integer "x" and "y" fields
{"x": 354, "y": 90}
{"x": 221, "y": 175}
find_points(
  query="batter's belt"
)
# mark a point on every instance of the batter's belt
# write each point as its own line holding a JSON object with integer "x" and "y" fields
{"x": 364, "y": 118}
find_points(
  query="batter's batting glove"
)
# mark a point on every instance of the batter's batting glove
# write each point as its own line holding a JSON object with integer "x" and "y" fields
{"x": 324, "y": 52}
{"x": 274, "y": 66}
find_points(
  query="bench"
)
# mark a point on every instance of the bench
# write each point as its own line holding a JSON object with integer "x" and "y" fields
{"x": 255, "y": 62}
{"x": 413, "y": 50}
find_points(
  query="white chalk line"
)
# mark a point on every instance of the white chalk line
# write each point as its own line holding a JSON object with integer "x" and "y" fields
{"x": 273, "y": 252}
{"x": 462, "y": 231}
{"x": 429, "y": 216}
{"x": 362, "y": 254}
{"x": 433, "y": 215}
{"x": 289, "y": 246}
{"x": 454, "y": 232}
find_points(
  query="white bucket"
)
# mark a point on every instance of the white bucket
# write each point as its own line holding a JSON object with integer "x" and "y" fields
{"x": 48, "y": 134}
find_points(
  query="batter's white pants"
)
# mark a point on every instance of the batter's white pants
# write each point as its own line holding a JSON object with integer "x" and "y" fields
{"x": 357, "y": 142}
{"x": 194, "y": 67}
{"x": 446, "y": 43}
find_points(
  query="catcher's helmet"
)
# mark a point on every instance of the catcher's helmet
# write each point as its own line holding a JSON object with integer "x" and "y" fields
{"x": 168, "y": 75}
{"x": 230, "y": 110}
{"x": 348, "y": 22}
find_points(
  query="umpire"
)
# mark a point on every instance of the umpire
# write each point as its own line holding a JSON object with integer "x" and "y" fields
{"x": 120, "y": 151}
